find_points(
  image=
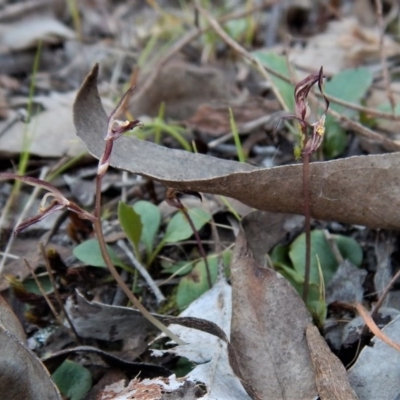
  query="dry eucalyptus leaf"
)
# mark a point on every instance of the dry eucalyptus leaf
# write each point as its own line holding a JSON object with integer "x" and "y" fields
{"x": 269, "y": 321}
{"x": 106, "y": 322}
{"x": 22, "y": 376}
{"x": 330, "y": 373}
{"x": 264, "y": 230}
{"x": 51, "y": 130}
{"x": 9, "y": 321}
{"x": 145, "y": 370}
{"x": 28, "y": 33}
{"x": 183, "y": 87}
{"x": 346, "y": 285}
{"x": 361, "y": 190}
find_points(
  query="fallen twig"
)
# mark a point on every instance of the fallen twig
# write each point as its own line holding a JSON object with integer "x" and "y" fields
{"x": 374, "y": 328}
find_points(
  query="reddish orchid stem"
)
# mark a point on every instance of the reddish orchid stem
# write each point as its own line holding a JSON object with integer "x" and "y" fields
{"x": 307, "y": 215}
{"x": 103, "y": 248}
{"x": 200, "y": 244}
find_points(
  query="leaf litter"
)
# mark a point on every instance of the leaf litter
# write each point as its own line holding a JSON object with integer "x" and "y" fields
{"x": 268, "y": 317}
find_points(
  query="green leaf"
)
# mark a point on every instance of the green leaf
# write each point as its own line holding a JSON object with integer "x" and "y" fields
{"x": 280, "y": 255}
{"x": 72, "y": 380}
{"x": 318, "y": 310}
{"x": 193, "y": 285}
{"x": 350, "y": 85}
{"x": 348, "y": 247}
{"x": 178, "y": 228}
{"x": 150, "y": 216}
{"x": 31, "y": 286}
{"x": 387, "y": 108}
{"x": 278, "y": 64}
{"x": 335, "y": 140}
{"x": 89, "y": 253}
{"x": 236, "y": 27}
{"x": 131, "y": 223}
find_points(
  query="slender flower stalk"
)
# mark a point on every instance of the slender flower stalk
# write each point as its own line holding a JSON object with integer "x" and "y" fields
{"x": 309, "y": 144}
{"x": 54, "y": 201}
{"x": 172, "y": 198}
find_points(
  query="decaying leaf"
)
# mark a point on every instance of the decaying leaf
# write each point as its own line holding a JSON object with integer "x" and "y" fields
{"x": 28, "y": 33}
{"x": 23, "y": 376}
{"x": 268, "y": 330}
{"x": 330, "y": 373}
{"x": 155, "y": 389}
{"x": 133, "y": 368}
{"x": 264, "y": 230}
{"x": 346, "y": 285}
{"x": 183, "y": 87}
{"x": 106, "y": 322}
{"x": 51, "y": 130}
{"x": 338, "y": 188}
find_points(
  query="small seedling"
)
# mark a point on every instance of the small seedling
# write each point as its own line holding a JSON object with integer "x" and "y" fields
{"x": 290, "y": 261}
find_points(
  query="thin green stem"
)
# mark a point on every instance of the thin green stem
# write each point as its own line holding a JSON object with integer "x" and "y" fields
{"x": 236, "y": 137}
{"x": 154, "y": 254}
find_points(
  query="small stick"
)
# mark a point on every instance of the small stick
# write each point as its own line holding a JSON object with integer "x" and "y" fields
{"x": 385, "y": 71}
{"x": 142, "y": 270}
{"x": 374, "y": 328}
{"x": 43, "y": 292}
{"x": 21, "y": 217}
{"x": 378, "y": 305}
{"x": 56, "y": 292}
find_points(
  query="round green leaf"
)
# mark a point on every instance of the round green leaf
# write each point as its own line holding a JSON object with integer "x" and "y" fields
{"x": 279, "y": 64}
{"x": 72, "y": 380}
{"x": 89, "y": 253}
{"x": 348, "y": 247}
{"x": 193, "y": 285}
{"x": 178, "y": 228}
{"x": 150, "y": 216}
{"x": 319, "y": 247}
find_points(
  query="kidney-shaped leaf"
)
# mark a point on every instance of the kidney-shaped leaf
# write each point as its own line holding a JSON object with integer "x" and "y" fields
{"x": 89, "y": 253}
{"x": 362, "y": 190}
{"x": 73, "y": 380}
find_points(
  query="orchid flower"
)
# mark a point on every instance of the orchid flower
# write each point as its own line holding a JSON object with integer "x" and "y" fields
{"x": 47, "y": 207}
{"x": 302, "y": 113}
{"x": 116, "y": 128}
